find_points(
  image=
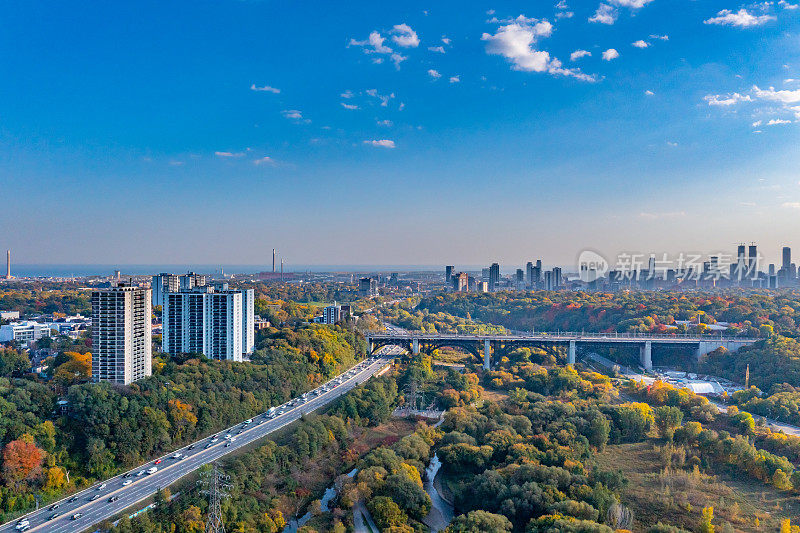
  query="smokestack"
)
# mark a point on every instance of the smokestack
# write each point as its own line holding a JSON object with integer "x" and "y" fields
{"x": 273, "y": 260}
{"x": 8, "y": 264}
{"x": 281, "y": 269}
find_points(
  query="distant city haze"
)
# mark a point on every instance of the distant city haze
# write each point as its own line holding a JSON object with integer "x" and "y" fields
{"x": 397, "y": 134}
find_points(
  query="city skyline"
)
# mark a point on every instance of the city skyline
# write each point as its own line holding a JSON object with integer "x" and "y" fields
{"x": 495, "y": 125}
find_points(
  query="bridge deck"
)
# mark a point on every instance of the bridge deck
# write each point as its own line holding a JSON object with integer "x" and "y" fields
{"x": 559, "y": 337}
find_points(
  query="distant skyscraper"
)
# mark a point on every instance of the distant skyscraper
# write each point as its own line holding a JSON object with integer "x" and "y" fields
{"x": 460, "y": 282}
{"x": 787, "y": 259}
{"x": 121, "y": 334}
{"x": 529, "y": 273}
{"x": 548, "y": 281}
{"x": 494, "y": 277}
{"x": 448, "y": 273}
{"x": 752, "y": 260}
{"x": 162, "y": 283}
{"x": 556, "y": 278}
{"x": 367, "y": 287}
{"x": 8, "y": 264}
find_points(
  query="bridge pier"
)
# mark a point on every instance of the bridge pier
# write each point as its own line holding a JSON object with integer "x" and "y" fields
{"x": 371, "y": 347}
{"x": 415, "y": 346}
{"x": 571, "y": 353}
{"x": 487, "y": 354}
{"x": 646, "y": 355}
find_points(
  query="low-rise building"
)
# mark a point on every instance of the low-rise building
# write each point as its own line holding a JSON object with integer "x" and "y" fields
{"x": 24, "y": 332}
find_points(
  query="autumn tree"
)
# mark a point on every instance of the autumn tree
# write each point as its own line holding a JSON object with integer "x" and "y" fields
{"x": 22, "y": 460}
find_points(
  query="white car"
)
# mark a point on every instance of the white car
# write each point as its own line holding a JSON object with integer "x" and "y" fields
{"x": 22, "y": 525}
{"x": 127, "y": 482}
{"x": 101, "y": 486}
{"x": 152, "y": 470}
{"x": 228, "y": 436}
{"x": 140, "y": 473}
{"x": 177, "y": 455}
{"x": 248, "y": 421}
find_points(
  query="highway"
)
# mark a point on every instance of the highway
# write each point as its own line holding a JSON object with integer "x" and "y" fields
{"x": 95, "y": 504}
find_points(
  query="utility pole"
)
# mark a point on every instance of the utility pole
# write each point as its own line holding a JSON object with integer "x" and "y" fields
{"x": 216, "y": 485}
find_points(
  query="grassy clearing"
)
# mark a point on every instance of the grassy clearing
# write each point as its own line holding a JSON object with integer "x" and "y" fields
{"x": 655, "y": 493}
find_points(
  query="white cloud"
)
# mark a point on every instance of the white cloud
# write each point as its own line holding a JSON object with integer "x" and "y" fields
{"x": 347, "y": 94}
{"x": 757, "y": 123}
{"x": 649, "y": 93}
{"x": 516, "y": 42}
{"x": 386, "y": 123}
{"x": 294, "y": 114}
{"x": 577, "y": 54}
{"x": 727, "y": 99}
{"x": 791, "y": 205}
{"x": 445, "y": 40}
{"x": 633, "y": 4}
{"x": 605, "y": 14}
{"x": 434, "y": 74}
{"x": 265, "y": 88}
{"x": 786, "y": 5}
{"x": 229, "y": 154}
{"x": 397, "y": 59}
{"x": 349, "y": 106}
{"x": 384, "y": 143}
{"x": 784, "y": 96}
{"x": 266, "y": 160}
{"x": 375, "y": 41}
{"x": 404, "y": 36}
{"x": 610, "y": 54}
{"x": 437, "y": 49}
{"x": 778, "y": 122}
{"x": 741, "y": 19}
{"x": 660, "y": 37}
{"x": 565, "y": 15}
{"x": 384, "y": 98}
{"x": 455, "y": 79}
{"x": 640, "y": 44}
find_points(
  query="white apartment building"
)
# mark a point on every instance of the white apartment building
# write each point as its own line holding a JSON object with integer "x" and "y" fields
{"x": 23, "y": 332}
{"x": 215, "y": 321}
{"x": 121, "y": 334}
{"x": 162, "y": 283}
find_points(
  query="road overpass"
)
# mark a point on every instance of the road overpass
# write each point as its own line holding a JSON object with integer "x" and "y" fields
{"x": 485, "y": 346}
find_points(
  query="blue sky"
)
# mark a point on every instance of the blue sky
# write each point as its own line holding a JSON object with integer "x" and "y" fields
{"x": 396, "y": 133}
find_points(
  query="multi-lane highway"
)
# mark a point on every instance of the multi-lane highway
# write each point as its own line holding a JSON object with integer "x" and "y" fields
{"x": 107, "y": 499}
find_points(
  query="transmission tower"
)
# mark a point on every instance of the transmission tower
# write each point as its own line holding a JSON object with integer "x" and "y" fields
{"x": 216, "y": 485}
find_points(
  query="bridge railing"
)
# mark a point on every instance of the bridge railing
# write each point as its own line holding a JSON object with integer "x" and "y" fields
{"x": 578, "y": 335}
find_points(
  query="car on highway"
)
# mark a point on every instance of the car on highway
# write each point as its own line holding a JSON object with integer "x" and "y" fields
{"x": 228, "y": 444}
{"x": 52, "y": 516}
{"x": 101, "y": 486}
{"x": 248, "y": 421}
{"x": 76, "y": 516}
{"x": 24, "y": 523}
{"x": 177, "y": 455}
{"x": 72, "y": 499}
{"x": 215, "y": 439}
{"x": 228, "y": 436}
{"x": 191, "y": 446}
{"x": 54, "y": 507}
{"x": 140, "y": 473}
{"x": 158, "y": 462}
{"x": 113, "y": 499}
{"x": 152, "y": 470}
{"x": 93, "y": 498}
{"x": 209, "y": 445}
{"x": 127, "y": 482}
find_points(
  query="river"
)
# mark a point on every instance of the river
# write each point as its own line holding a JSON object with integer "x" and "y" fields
{"x": 441, "y": 512}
